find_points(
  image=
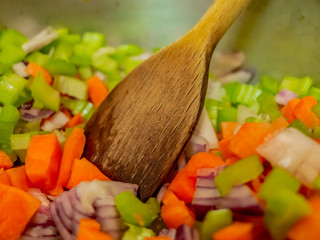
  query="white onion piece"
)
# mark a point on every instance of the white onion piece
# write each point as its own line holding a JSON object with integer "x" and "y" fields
{"x": 57, "y": 121}
{"x": 284, "y": 96}
{"x": 42, "y": 39}
{"x": 215, "y": 90}
{"x": 245, "y": 112}
{"x": 224, "y": 63}
{"x": 170, "y": 233}
{"x": 295, "y": 152}
{"x": 195, "y": 145}
{"x": 39, "y": 195}
{"x": 19, "y": 69}
{"x": 241, "y": 76}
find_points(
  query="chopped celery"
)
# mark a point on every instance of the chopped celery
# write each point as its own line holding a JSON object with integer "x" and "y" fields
{"x": 214, "y": 221}
{"x": 60, "y": 67}
{"x": 245, "y": 94}
{"x": 9, "y": 113}
{"x": 135, "y": 212}
{"x": 93, "y": 39}
{"x": 130, "y": 64}
{"x": 316, "y": 109}
{"x": 226, "y": 114}
{"x": 11, "y": 54}
{"x": 130, "y": 49}
{"x": 298, "y": 124}
{"x": 298, "y": 85}
{"x": 230, "y": 89}
{"x": 85, "y": 72}
{"x": 254, "y": 119}
{"x": 71, "y": 86}
{"x": 11, "y": 85}
{"x": 137, "y": 233}
{"x": 113, "y": 78}
{"x": 4, "y": 68}
{"x": 44, "y": 93}
{"x": 102, "y": 62}
{"x": 84, "y": 107}
{"x": 212, "y": 106}
{"x": 240, "y": 172}
{"x": 25, "y": 96}
{"x": 6, "y": 129}
{"x": 20, "y": 141}
{"x": 315, "y": 92}
{"x": 12, "y": 37}
{"x": 63, "y": 50}
{"x": 268, "y": 105}
{"x": 24, "y": 127}
{"x": 284, "y": 208}
{"x": 38, "y": 57}
{"x": 277, "y": 180}
{"x": 87, "y": 111}
{"x": 269, "y": 84}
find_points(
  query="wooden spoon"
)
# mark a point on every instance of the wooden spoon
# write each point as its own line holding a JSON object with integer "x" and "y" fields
{"x": 141, "y": 128}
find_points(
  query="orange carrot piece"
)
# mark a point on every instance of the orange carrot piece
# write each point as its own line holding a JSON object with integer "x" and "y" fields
{"x": 33, "y": 69}
{"x": 73, "y": 149}
{"x": 43, "y": 161}
{"x": 169, "y": 198}
{"x": 227, "y": 129}
{"x": 232, "y": 160}
{"x": 90, "y": 229}
{"x": 224, "y": 146}
{"x": 97, "y": 90}
{"x": 83, "y": 170}
{"x": 4, "y": 178}
{"x": 5, "y": 161}
{"x": 309, "y": 226}
{"x": 177, "y": 214}
{"x": 280, "y": 123}
{"x": 75, "y": 120}
{"x": 303, "y": 112}
{"x": 157, "y": 238}
{"x": 249, "y": 136}
{"x": 184, "y": 184}
{"x": 18, "y": 178}
{"x": 16, "y": 208}
{"x": 287, "y": 110}
{"x": 235, "y": 231}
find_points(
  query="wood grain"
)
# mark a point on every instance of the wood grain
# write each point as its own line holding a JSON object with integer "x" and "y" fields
{"x": 139, "y": 131}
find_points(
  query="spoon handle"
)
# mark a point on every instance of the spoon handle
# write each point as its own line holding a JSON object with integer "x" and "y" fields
{"x": 213, "y": 25}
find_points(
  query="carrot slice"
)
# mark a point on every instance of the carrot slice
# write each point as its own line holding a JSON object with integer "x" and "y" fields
{"x": 90, "y": 229}
{"x": 279, "y": 123}
{"x": 235, "y": 231}
{"x": 73, "y": 149}
{"x": 5, "y": 161}
{"x": 16, "y": 208}
{"x": 83, "y": 170}
{"x": 303, "y": 112}
{"x": 224, "y": 146}
{"x": 228, "y": 128}
{"x": 249, "y": 136}
{"x": 33, "y": 69}
{"x": 4, "y": 178}
{"x": 287, "y": 110}
{"x": 43, "y": 161}
{"x": 97, "y": 90}
{"x": 18, "y": 177}
{"x": 75, "y": 120}
{"x": 184, "y": 184}
{"x": 170, "y": 197}
{"x": 232, "y": 160}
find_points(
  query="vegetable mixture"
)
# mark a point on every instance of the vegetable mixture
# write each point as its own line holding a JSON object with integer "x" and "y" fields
{"x": 250, "y": 170}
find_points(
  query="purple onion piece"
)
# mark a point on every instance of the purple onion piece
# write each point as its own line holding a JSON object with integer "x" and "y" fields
{"x": 284, "y": 96}
{"x": 34, "y": 114}
{"x": 170, "y": 233}
{"x": 185, "y": 232}
{"x": 162, "y": 191}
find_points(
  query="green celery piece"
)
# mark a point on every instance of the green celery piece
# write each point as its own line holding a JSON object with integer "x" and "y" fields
{"x": 79, "y": 106}
{"x": 226, "y": 114}
{"x": 131, "y": 64}
{"x": 316, "y": 183}
{"x": 60, "y": 67}
{"x": 254, "y": 119}
{"x": 130, "y": 49}
{"x": 240, "y": 172}
{"x": 25, "y": 96}
{"x": 269, "y": 84}
{"x": 6, "y": 129}
{"x": 93, "y": 39}
{"x": 71, "y": 38}
{"x": 214, "y": 221}
{"x": 298, "y": 85}
{"x": 22, "y": 155}
{"x": 87, "y": 111}
{"x": 82, "y": 54}
{"x": 316, "y": 109}
{"x": 69, "y": 130}
{"x": 4, "y": 68}
{"x": 20, "y": 141}
{"x": 25, "y": 127}
{"x": 44, "y": 93}
{"x": 137, "y": 233}
{"x": 298, "y": 124}
{"x": 11, "y": 54}
{"x": 11, "y": 85}
{"x": 245, "y": 94}
{"x": 85, "y": 72}
{"x": 37, "y": 104}
{"x": 284, "y": 208}
{"x": 63, "y": 50}
{"x": 103, "y": 62}
{"x": 316, "y": 132}
{"x": 277, "y": 180}
{"x": 315, "y": 92}
{"x": 231, "y": 89}
{"x": 268, "y": 105}
{"x": 62, "y": 32}
{"x": 69, "y": 103}
{"x": 113, "y": 78}
{"x": 9, "y": 113}
{"x": 135, "y": 212}
{"x": 12, "y": 37}
{"x": 71, "y": 86}
{"x": 38, "y": 58}
{"x": 212, "y": 106}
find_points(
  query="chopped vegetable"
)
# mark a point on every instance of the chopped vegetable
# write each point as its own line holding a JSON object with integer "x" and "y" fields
{"x": 33, "y": 69}
{"x": 18, "y": 177}
{"x": 97, "y": 90}
{"x": 90, "y": 229}
{"x": 236, "y": 231}
{"x": 5, "y": 161}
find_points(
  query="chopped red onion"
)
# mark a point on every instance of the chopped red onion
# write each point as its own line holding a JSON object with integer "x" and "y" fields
{"x": 185, "y": 232}
{"x": 34, "y": 114}
{"x": 284, "y": 96}
{"x": 162, "y": 191}
{"x": 57, "y": 121}
{"x": 170, "y": 233}
{"x": 182, "y": 162}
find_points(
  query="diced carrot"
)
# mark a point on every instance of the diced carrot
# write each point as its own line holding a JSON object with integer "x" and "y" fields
{"x": 279, "y": 123}
{"x": 83, "y": 170}
{"x": 73, "y": 149}
{"x": 309, "y": 226}
{"x": 5, "y": 161}
{"x": 170, "y": 198}
{"x": 256, "y": 184}
{"x": 184, "y": 184}
{"x": 16, "y": 208}
{"x": 287, "y": 110}
{"x": 18, "y": 177}
{"x": 232, "y": 160}
{"x": 157, "y": 238}
{"x": 317, "y": 140}
{"x": 43, "y": 161}
{"x": 97, "y": 90}
{"x": 224, "y": 146}
{"x": 90, "y": 229}
{"x": 235, "y": 231}
{"x": 4, "y": 178}
{"x": 177, "y": 214}
{"x": 75, "y": 120}
{"x": 303, "y": 112}
{"x": 249, "y": 136}
{"x": 33, "y": 69}
{"x": 228, "y": 128}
